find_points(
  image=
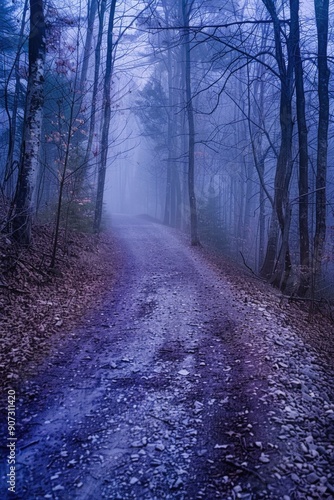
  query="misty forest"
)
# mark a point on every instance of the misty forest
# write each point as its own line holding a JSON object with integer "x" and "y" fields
{"x": 166, "y": 249}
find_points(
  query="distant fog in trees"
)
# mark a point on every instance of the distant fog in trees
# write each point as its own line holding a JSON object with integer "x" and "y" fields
{"x": 211, "y": 117}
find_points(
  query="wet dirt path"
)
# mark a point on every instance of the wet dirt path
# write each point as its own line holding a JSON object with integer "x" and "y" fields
{"x": 161, "y": 395}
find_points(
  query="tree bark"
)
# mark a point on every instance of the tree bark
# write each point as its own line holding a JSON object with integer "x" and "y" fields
{"x": 105, "y": 121}
{"x": 9, "y": 168}
{"x": 304, "y": 240}
{"x": 321, "y": 14}
{"x": 92, "y": 122}
{"x": 191, "y": 129}
{"x": 284, "y": 160}
{"x": 29, "y": 160}
{"x": 88, "y": 43}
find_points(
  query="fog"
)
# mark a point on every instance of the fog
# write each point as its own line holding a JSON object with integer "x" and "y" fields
{"x": 198, "y": 115}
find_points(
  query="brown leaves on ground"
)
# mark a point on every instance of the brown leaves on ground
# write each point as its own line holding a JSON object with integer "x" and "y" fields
{"x": 312, "y": 321}
{"x": 37, "y": 303}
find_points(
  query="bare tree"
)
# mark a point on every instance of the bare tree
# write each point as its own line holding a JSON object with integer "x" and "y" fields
{"x": 12, "y": 117}
{"x": 186, "y": 6}
{"x": 304, "y": 239}
{"x": 93, "y": 110}
{"x": 29, "y": 160}
{"x": 106, "y": 119}
{"x": 277, "y": 267}
{"x": 321, "y": 13}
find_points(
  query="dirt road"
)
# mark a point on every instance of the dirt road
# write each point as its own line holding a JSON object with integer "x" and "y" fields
{"x": 174, "y": 389}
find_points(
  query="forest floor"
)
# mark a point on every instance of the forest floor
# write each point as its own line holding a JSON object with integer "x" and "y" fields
{"x": 39, "y": 304}
{"x": 189, "y": 379}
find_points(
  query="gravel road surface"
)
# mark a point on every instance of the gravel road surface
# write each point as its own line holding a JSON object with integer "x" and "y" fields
{"x": 174, "y": 389}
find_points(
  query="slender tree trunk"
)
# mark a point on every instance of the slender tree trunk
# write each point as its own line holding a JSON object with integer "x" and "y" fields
{"x": 191, "y": 128}
{"x": 168, "y": 193}
{"x": 178, "y": 198}
{"x": 284, "y": 161}
{"x": 304, "y": 240}
{"x": 29, "y": 161}
{"x": 105, "y": 120}
{"x": 96, "y": 82}
{"x": 321, "y": 13}
{"x": 283, "y": 264}
{"x": 262, "y": 218}
{"x": 169, "y": 111}
{"x": 12, "y": 120}
{"x": 88, "y": 43}
{"x": 268, "y": 263}
{"x": 63, "y": 178}
{"x": 266, "y": 258}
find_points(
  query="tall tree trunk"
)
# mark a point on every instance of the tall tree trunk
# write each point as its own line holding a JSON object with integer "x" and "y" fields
{"x": 29, "y": 161}
{"x": 169, "y": 111}
{"x": 266, "y": 260}
{"x": 191, "y": 128}
{"x": 62, "y": 181}
{"x": 284, "y": 160}
{"x": 321, "y": 13}
{"x": 262, "y": 217}
{"x": 168, "y": 192}
{"x": 88, "y": 43}
{"x": 9, "y": 168}
{"x": 93, "y": 109}
{"x": 304, "y": 240}
{"x": 268, "y": 263}
{"x": 105, "y": 121}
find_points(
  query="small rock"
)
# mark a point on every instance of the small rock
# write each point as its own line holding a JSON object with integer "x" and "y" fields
{"x": 134, "y": 480}
{"x": 304, "y": 448}
{"x": 280, "y": 393}
{"x": 264, "y": 458}
{"x": 183, "y": 372}
{"x": 155, "y": 462}
{"x": 59, "y": 487}
{"x": 237, "y": 489}
{"x": 137, "y": 444}
{"x": 178, "y": 483}
{"x": 295, "y": 478}
{"x": 312, "y": 478}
